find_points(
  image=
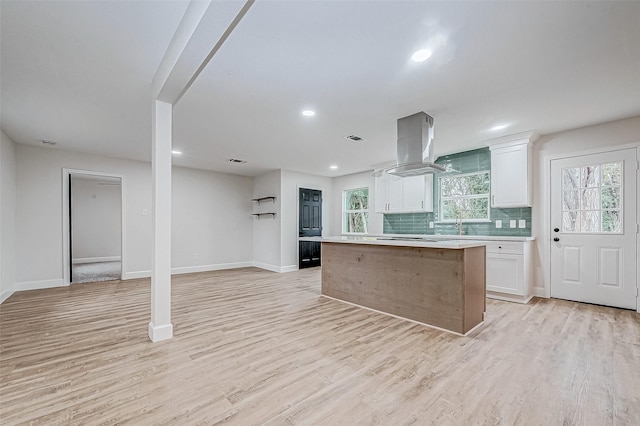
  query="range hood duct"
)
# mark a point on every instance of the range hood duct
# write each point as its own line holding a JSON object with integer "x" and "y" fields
{"x": 415, "y": 147}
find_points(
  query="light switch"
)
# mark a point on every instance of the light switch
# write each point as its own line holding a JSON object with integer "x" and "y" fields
{"x": 430, "y": 224}
{"x": 498, "y": 223}
{"x": 512, "y": 223}
{"x": 522, "y": 223}
{"x": 145, "y": 212}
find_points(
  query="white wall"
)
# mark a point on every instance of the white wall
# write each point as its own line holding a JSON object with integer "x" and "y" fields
{"x": 198, "y": 202}
{"x": 266, "y": 231}
{"x": 211, "y": 225}
{"x": 291, "y": 183}
{"x": 96, "y": 219}
{"x": 7, "y": 215}
{"x": 600, "y": 136}
{"x": 357, "y": 180}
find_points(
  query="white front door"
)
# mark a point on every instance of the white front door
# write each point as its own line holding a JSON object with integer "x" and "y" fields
{"x": 593, "y": 228}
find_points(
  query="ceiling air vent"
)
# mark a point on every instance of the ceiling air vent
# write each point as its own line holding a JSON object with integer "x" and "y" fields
{"x": 235, "y": 160}
{"x": 354, "y": 138}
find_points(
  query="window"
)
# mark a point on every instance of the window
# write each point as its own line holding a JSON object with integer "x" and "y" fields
{"x": 592, "y": 198}
{"x": 356, "y": 210}
{"x": 464, "y": 197}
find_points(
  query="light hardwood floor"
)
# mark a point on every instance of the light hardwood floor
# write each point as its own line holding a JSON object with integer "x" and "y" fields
{"x": 256, "y": 347}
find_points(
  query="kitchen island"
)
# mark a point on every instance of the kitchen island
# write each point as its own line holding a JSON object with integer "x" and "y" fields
{"x": 437, "y": 283}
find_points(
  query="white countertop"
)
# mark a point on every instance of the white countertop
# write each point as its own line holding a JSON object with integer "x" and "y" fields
{"x": 387, "y": 241}
{"x": 448, "y": 237}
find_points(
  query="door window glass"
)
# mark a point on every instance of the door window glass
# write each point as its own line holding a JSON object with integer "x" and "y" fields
{"x": 592, "y": 198}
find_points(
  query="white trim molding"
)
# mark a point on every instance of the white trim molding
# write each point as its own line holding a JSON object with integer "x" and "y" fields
{"x": 158, "y": 333}
{"x": 207, "y": 268}
{"x": 37, "y": 285}
{"x": 6, "y": 294}
{"x": 79, "y": 260}
{"x": 274, "y": 268}
{"x": 136, "y": 275}
{"x": 66, "y": 268}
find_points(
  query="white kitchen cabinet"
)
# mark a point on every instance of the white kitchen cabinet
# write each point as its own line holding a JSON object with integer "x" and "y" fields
{"x": 508, "y": 270}
{"x": 404, "y": 195}
{"x": 511, "y": 170}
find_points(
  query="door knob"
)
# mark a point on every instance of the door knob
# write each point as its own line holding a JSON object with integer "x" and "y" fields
{"x": 556, "y": 239}
{"x": 556, "y": 230}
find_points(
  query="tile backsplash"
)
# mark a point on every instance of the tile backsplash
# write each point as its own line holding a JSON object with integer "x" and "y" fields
{"x": 419, "y": 223}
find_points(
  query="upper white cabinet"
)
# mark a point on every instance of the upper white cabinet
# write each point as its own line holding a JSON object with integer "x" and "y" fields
{"x": 404, "y": 195}
{"x": 511, "y": 170}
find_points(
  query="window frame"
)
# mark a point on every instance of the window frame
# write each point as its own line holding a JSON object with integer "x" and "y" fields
{"x": 346, "y": 211}
{"x": 486, "y": 196}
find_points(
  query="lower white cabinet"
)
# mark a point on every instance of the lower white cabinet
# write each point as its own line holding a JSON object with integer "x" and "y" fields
{"x": 508, "y": 270}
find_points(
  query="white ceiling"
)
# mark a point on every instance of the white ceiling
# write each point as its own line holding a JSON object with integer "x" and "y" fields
{"x": 79, "y": 73}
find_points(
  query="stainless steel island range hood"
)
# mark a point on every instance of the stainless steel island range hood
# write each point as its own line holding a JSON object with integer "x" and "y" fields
{"x": 415, "y": 147}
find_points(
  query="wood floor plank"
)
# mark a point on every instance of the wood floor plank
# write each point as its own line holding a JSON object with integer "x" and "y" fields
{"x": 256, "y": 347}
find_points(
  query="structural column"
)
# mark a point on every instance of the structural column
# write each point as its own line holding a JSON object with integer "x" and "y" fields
{"x": 160, "y": 327}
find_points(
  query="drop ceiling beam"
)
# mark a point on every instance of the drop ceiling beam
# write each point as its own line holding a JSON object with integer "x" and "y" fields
{"x": 205, "y": 27}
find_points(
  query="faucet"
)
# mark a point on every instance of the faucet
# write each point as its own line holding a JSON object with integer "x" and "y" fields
{"x": 459, "y": 225}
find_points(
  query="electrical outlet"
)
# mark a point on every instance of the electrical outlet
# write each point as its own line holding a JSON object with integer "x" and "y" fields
{"x": 522, "y": 223}
{"x": 430, "y": 224}
{"x": 145, "y": 212}
{"x": 512, "y": 223}
{"x": 498, "y": 223}
{"x": 195, "y": 255}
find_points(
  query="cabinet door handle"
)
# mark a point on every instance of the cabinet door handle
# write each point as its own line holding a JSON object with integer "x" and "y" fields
{"x": 493, "y": 200}
{"x": 422, "y": 204}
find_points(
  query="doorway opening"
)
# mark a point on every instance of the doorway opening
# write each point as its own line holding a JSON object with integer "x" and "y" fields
{"x": 593, "y": 218}
{"x": 94, "y": 222}
{"x": 309, "y": 227}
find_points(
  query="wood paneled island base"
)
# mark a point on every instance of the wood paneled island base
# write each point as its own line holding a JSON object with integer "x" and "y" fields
{"x": 441, "y": 287}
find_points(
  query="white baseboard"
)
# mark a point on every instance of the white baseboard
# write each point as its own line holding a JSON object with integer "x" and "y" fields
{"x": 290, "y": 268}
{"x": 6, "y": 294}
{"x": 207, "y": 268}
{"x": 268, "y": 267}
{"x": 136, "y": 274}
{"x": 158, "y": 333}
{"x": 509, "y": 297}
{"x": 274, "y": 268}
{"x": 540, "y": 292}
{"x": 96, "y": 259}
{"x": 36, "y": 285}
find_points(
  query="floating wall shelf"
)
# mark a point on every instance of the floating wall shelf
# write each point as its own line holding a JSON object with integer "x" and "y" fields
{"x": 261, "y": 199}
{"x": 273, "y": 215}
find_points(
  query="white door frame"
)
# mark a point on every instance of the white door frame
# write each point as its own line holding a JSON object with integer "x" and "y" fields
{"x": 66, "y": 173}
{"x": 546, "y": 232}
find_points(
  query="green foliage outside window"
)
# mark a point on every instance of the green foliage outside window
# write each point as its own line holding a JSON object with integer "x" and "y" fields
{"x": 356, "y": 210}
{"x": 465, "y": 197}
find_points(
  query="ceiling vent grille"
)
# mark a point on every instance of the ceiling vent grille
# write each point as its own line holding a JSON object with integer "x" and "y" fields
{"x": 354, "y": 138}
{"x": 235, "y": 160}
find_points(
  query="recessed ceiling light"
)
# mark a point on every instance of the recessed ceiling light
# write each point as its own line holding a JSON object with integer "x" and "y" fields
{"x": 308, "y": 113}
{"x": 499, "y": 127}
{"x": 333, "y": 167}
{"x": 174, "y": 152}
{"x": 421, "y": 55}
